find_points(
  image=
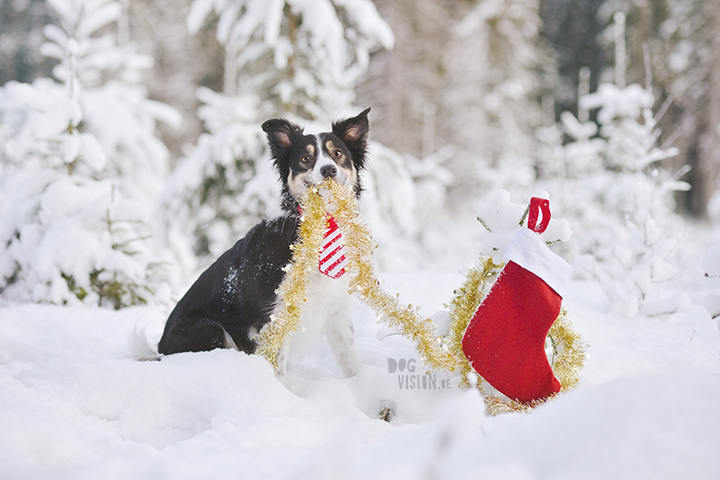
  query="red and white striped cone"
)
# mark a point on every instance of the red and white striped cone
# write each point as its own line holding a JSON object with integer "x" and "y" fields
{"x": 333, "y": 260}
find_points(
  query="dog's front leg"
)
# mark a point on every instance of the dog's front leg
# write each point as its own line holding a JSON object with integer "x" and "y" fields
{"x": 341, "y": 339}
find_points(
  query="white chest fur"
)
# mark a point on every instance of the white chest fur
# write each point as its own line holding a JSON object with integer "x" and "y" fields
{"x": 327, "y": 312}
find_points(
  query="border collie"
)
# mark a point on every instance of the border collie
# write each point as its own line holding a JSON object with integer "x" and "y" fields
{"x": 233, "y": 299}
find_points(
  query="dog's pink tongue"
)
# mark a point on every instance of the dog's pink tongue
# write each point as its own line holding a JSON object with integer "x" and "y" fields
{"x": 332, "y": 252}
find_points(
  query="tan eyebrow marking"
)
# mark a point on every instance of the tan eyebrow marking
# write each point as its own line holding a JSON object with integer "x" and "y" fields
{"x": 310, "y": 149}
{"x": 331, "y": 148}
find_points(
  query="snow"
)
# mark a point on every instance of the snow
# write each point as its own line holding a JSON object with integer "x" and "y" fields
{"x": 74, "y": 405}
{"x": 711, "y": 261}
{"x": 501, "y": 219}
{"x": 711, "y": 266}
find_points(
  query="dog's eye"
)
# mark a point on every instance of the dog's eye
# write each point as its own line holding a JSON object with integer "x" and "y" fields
{"x": 305, "y": 159}
{"x": 337, "y": 153}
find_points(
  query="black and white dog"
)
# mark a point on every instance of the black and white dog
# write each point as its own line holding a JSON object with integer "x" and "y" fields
{"x": 233, "y": 299}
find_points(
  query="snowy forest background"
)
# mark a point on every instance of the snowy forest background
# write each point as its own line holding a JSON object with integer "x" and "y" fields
{"x": 131, "y": 153}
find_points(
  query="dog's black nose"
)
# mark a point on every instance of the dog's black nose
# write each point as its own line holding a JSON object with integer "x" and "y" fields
{"x": 328, "y": 171}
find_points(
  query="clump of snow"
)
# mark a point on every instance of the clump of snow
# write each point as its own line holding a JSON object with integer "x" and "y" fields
{"x": 501, "y": 219}
{"x": 615, "y": 102}
{"x": 71, "y": 239}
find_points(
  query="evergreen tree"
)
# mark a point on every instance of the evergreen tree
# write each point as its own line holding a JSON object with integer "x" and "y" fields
{"x": 620, "y": 200}
{"x": 498, "y": 69}
{"x": 617, "y": 183}
{"x": 278, "y": 63}
{"x": 81, "y": 169}
{"x": 679, "y": 42}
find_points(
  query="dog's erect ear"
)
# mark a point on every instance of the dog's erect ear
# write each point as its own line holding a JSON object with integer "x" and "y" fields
{"x": 281, "y": 134}
{"x": 354, "y": 132}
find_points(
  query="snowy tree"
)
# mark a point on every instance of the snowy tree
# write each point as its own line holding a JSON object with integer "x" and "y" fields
{"x": 81, "y": 169}
{"x": 621, "y": 200}
{"x": 497, "y": 66}
{"x": 679, "y": 41}
{"x": 182, "y": 62}
{"x": 225, "y": 183}
{"x": 617, "y": 183}
{"x": 404, "y": 202}
{"x": 275, "y": 47}
{"x": 278, "y": 63}
{"x": 405, "y": 85}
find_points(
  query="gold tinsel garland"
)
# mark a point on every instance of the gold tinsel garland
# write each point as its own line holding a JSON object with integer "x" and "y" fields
{"x": 293, "y": 288}
{"x": 364, "y": 284}
{"x": 359, "y": 248}
{"x": 462, "y": 307}
{"x": 437, "y": 352}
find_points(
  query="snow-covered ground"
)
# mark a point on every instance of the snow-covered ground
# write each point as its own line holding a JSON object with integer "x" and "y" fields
{"x": 74, "y": 405}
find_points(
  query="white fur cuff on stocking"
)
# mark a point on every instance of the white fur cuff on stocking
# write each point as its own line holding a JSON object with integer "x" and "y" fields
{"x": 532, "y": 254}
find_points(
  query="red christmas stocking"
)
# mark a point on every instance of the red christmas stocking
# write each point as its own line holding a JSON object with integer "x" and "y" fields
{"x": 505, "y": 339}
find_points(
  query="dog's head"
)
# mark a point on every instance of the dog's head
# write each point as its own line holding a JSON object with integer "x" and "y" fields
{"x": 305, "y": 160}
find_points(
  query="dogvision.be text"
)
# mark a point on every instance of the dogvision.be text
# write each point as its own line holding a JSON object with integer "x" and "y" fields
{"x": 412, "y": 380}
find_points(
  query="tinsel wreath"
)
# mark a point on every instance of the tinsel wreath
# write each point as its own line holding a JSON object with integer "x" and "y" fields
{"x": 568, "y": 348}
{"x": 341, "y": 203}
